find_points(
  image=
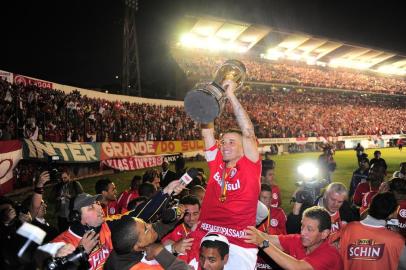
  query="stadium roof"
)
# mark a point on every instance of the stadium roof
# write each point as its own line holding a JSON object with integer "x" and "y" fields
{"x": 218, "y": 34}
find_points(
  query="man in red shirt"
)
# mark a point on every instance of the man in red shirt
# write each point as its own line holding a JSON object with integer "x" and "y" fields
{"x": 308, "y": 250}
{"x": 368, "y": 244}
{"x": 108, "y": 190}
{"x": 376, "y": 173}
{"x": 231, "y": 198}
{"x": 268, "y": 167}
{"x": 178, "y": 240}
{"x": 274, "y": 224}
{"x": 129, "y": 195}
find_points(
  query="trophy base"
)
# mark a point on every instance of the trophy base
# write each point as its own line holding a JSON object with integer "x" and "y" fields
{"x": 202, "y": 106}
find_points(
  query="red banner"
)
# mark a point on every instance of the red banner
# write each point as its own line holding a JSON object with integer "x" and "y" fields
{"x": 136, "y": 163}
{"x": 20, "y": 79}
{"x": 10, "y": 154}
{"x": 110, "y": 150}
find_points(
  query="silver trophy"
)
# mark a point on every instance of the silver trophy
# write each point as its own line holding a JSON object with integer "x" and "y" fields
{"x": 206, "y": 100}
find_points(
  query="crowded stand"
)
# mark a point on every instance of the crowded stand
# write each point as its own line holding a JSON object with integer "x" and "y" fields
{"x": 52, "y": 115}
{"x": 197, "y": 65}
{"x": 231, "y": 220}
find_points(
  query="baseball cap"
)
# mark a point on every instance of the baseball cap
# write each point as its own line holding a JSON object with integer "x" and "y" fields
{"x": 85, "y": 199}
{"x": 212, "y": 236}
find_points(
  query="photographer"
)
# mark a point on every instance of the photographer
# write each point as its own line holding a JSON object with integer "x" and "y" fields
{"x": 359, "y": 175}
{"x": 63, "y": 195}
{"x": 327, "y": 163}
{"x": 11, "y": 218}
{"x": 334, "y": 200}
{"x": 88, "y": 216}
{"x": 38, "y": 207}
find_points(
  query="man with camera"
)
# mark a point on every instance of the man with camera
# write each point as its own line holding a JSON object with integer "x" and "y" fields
{"x": 12, "y": 216}
{"x": 234, "y": 185}
{"x": 89, "y": 223}
{"x": 63, "y": 194}
{"x": 334, "y": 200}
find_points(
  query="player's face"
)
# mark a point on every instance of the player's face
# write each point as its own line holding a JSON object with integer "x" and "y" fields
{"x": 146, "y": 234}
{"x": 269, "y": 176}
{"x": 265, "y": 197}
{"x": 192, "y": 213}
{"x": 231, "y": 147}
{"x": 334, "y": 201}
{"x": 111, "y": 194}
{"x": 92, "y": 215}
{"x": 210, "y": 259}
{"x": 310, "y": 234}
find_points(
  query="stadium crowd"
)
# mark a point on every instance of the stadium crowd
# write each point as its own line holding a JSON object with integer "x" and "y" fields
{"x": 216, "y": 224}
{"x": 198, "y": 65}
{"x": 52, "y": 115}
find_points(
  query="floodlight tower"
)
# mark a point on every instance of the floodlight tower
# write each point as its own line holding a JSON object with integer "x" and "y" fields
{"x": 131, "y": 80}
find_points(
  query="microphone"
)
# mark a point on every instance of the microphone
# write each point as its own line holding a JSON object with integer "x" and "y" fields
{"x": 187, "y": 178}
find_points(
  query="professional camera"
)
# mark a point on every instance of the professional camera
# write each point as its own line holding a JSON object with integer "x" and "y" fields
{"x": 310, "y": 186}
{"x": 71, "y": 261}
{"x": 21, "y": 208}
{"x": 51, "y": 166}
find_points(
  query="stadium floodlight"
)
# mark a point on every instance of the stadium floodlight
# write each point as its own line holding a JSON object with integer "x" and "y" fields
{"x": 273, "y": 54}
{"x": 388, "y": 69}
{"x": 340, "y": 62}
{"x": 308, "y": 170}
{"x": 187, "y": 40}
{"x": 293, "y": 56}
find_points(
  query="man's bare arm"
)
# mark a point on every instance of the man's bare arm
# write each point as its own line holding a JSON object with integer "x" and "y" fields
{"x": 249, "y": 140}
{"x": 208, "y": 135}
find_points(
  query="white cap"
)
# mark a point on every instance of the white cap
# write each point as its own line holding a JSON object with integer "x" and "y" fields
{"x": 213, "y": 236}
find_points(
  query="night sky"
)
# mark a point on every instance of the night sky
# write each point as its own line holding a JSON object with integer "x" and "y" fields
{"x": 79, "y": 42}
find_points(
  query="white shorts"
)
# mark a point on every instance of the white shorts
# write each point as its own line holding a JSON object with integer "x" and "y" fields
{"x": 241, "y": 258}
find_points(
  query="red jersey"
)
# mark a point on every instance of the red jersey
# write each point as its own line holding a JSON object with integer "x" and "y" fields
{"x": 126, "y": 197}
{"x": 366, "y": 201}
{"x": 238, "y": 211}
{"x": 180, "y": 232}
{"x": 360, "y": 191}
{"x": 402, "y": 218}
{"x": 275, "y": 224}
{"x": 336, "y": 225}
{"x": 324, "y": 257}
{"x": 276, "y": 200}
{"x": 370, "y": 247}
{"x": 101, "y": 252}
{"x": 111, "y": 209}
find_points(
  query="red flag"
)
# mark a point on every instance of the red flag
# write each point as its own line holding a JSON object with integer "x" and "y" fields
{"x": 10, "y": 154}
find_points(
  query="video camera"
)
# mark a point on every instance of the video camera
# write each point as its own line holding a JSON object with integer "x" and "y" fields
{"x": 55, "y": 175}
{"x": 71, "y": 261}
{"x": 309, "y": 186}
{"x": 31, "y": 252}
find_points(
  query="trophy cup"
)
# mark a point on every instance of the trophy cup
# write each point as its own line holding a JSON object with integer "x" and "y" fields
{"x": 206, "y": 100}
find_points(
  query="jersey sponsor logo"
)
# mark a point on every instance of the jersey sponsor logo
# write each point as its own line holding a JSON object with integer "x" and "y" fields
{"x": 233, "y": 172}
{"x": 98, "y": 258}
{"x": 229, "y": 186}
{"x": 365, "y": 249}
{"x": 274, "y": 222}
{"x": 222, "y": 230}
{"x": 402, "y": 213}
{"x": 335, "y": 226}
